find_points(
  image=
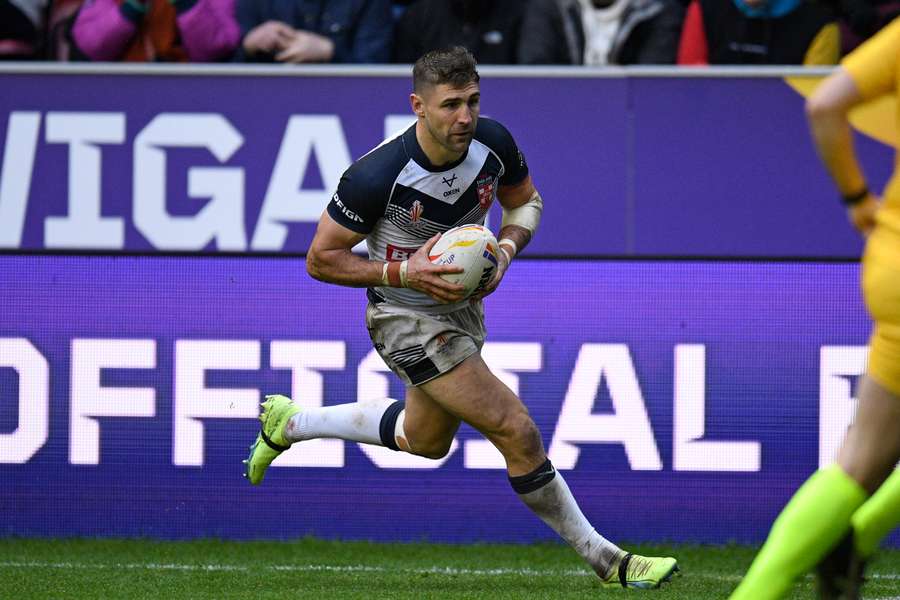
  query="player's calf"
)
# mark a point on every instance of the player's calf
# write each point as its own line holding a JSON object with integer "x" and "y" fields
{"x": 519, "y": 441}
{"x": 545, "y": 492}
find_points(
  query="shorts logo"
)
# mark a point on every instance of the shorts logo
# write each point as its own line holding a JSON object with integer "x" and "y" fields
{"x": 485, "y": 187}
{"x": 415, "y": 212}
{"x": 395, "y": 253}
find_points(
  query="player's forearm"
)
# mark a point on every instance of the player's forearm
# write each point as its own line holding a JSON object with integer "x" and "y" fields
{"x": 342, "y": 267}
{"x": 834, "y": 144}
{"x": 518, "y": 235}
{"x": 520, "y": 223}
{"x": 827, "y": 111}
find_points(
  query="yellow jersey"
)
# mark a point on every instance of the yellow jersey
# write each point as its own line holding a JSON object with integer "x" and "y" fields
{"x": 875, "y": 69}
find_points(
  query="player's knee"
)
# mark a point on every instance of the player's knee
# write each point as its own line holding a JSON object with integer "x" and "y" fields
{"x": 433, "y": 449}
{"x": 432, "y": 446}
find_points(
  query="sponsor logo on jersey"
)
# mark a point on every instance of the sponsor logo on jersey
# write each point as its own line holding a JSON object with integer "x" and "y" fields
{"x": 395, "y": 253}
{"x": 484, "y": 184}
{"x": 415, "y": 212}
{"x": 449, "y": 183}
{"x": 347, "y": 212}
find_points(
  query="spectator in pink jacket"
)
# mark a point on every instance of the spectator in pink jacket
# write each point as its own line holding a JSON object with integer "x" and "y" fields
{"x": 155, "y": 30}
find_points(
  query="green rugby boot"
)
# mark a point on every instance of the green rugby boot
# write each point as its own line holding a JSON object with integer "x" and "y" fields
{"x": 270, "y": 442}
{"x": 641, "y": 572}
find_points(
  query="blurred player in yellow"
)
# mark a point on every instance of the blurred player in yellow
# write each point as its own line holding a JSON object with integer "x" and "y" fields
{"x": 843, "y": 511}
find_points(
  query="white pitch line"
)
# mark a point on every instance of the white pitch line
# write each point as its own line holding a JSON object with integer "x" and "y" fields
{"x": 435, "y": 570}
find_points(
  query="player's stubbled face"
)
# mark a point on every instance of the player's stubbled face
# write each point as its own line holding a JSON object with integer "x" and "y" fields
{"x": 451, "y": 114}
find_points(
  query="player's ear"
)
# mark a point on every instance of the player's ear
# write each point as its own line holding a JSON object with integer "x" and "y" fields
{"x": 418, "y": 104}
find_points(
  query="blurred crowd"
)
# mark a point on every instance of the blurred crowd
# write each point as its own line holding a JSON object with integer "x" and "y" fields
{"x": 529, "y": 32}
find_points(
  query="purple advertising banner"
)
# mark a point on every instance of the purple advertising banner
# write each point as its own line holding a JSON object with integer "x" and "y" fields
{"x": 245, "y": 161}
{"x": 129, "y": 390}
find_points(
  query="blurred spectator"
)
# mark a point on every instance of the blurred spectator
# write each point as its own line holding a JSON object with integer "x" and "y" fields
{"x": 489, "y": 29}
{"x": 21, "y": 28}
{"x": 601, "y": 32}
{"x": 760, "y": 32}
{"x": 155, "y": 30}
{"x": 860, "y": 19}
{"x": 315, "y": 31}
{"x": 59, "y": 25}
{"x": 398, "y": 7}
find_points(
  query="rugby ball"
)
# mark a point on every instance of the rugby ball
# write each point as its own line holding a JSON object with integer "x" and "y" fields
{"x": 474, "y": 248}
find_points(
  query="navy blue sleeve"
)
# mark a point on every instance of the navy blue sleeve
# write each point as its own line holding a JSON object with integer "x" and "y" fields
{"x": 356, "y": 204}
{"x": 500, "y": 140}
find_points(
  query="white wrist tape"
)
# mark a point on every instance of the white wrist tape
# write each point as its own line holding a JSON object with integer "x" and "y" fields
{"x": 526, "y": 216}
{"x": 384, "y": 276}
{"x": 512, "y": 245}
{"x": 404, "y": 267}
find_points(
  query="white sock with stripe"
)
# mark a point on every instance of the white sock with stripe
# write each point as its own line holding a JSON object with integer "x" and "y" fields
{"x": 378, "y": 421}
{"x": 545, "y": 492}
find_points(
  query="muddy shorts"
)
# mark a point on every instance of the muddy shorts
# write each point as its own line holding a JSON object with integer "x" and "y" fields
{"x": 418, "y": 346}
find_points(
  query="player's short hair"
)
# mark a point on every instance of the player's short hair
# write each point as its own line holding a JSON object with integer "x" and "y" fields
{"x": 454, "y": 66}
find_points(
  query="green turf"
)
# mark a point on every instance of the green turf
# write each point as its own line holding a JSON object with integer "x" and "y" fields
{"x": 319, "y": 569}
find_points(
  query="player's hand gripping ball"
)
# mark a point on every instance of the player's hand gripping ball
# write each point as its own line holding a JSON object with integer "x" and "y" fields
{"x": 474, "y": 248}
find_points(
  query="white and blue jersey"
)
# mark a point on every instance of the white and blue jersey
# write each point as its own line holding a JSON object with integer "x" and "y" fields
{"x": 399, "y": 200}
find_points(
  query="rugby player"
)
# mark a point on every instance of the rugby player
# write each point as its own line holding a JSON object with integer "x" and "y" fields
{"x": 442, "y": 172}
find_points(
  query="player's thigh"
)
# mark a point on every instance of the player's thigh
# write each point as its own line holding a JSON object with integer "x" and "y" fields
{"x": 881, "y": 290}
{"x": 426, "y": 423}
{"x": 871, "y": 448}
{"x": 474, "y": 394}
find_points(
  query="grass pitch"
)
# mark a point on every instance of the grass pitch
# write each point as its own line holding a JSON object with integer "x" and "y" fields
{"x": 310, "y": 568}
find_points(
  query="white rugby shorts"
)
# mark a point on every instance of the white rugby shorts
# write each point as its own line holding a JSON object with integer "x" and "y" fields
{"x": 419, "y": 346}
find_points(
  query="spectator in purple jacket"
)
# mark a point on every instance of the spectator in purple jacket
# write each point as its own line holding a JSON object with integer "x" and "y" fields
{"x": 315, "y": 31}
{"x": 155, "y": 30}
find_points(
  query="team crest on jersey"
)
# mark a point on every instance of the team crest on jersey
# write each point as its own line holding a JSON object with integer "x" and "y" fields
{"x": 485, "y": 187}
{"x": 415, "y": 213}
